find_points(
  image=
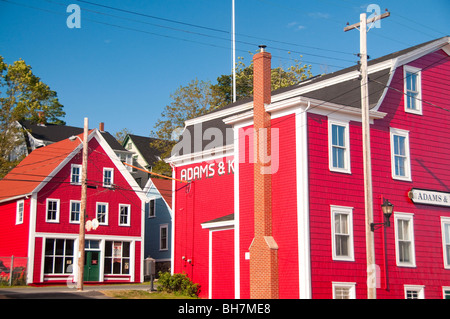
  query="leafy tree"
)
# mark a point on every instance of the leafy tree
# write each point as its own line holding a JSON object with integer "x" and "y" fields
{"x": 199, "y": 97}
{"x": 23, "y": 96}
{"x": 188, "y": 102}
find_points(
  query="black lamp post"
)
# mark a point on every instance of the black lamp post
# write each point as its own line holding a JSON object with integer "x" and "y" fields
{"x": 387, "y": 209}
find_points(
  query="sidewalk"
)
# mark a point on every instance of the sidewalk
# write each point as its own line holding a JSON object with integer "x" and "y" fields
{"x": 64, "y": 292}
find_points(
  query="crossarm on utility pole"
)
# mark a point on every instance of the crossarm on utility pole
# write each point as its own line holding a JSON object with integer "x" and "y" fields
{"x": 376, "y": 18}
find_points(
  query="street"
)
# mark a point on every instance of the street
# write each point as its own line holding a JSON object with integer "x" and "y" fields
{"x": 64, "y": 292}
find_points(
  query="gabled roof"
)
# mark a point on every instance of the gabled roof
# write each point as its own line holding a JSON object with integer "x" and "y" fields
{"x": 164, "y": 187}
{"x": 45, "y": 162}
{"x": 142, "y": 143}
{"x": 51, "y": 133}
{"x": 340, "y": 89}
{"x": 36, "y": 168}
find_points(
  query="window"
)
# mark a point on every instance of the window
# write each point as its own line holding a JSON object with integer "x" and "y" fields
{"x": 404, "y": 240}
{"x": 400, "y": 158}
{"x": 445, "y": 225}
{"x": 446, "y": 292}
{"x": 117, "y": 257}
{"x": 342, "y": 233}
{"x": 151, "y": 210}
{"x": 344, "y": 290}
{"x": 75, "y": 174}
{"x": 19, "y": 211}
{"x": 124, "y": 215}
{"x": 412, "y": 90}
{"x": 108, "y": 177}
{"x": 163, "y": 237}
{"x": 338, "y": 146}
{"x": 52, "y": 215}
{"x": 75, "y": 208}
{"x": 102, "y": 213}
{"x": 58, "y": 256}
{"x": 414, "y": 292}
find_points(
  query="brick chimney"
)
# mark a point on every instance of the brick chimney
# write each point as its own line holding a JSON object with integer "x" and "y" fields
{"x": 264, "y": 249}
{"x": 101, "y": 127}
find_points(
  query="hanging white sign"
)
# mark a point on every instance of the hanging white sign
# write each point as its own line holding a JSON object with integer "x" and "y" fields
{"x": 422, "y": 196}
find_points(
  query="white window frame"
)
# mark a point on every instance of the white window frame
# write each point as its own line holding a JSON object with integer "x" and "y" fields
{"x": 71, "y": 221}
{"x": 71, "y": 174}
{"x": 445, "y": 292}
{"x": 351, "y": 286}
{"x": 56, "y": 220}
{"x": 418, "y": 99}
{"x": 128, "y": 206}
{"x": 344, "y": 211}
{"x": 20, "y": 210}
{"x": 347, "y": 167}
{"x": 108, "y": 169}
{"x": 405, "y": 134}
{"x": 150, "y": 208}
{"x": 410, "y": 218}
{"x": 417, "y": 288}
{"x": 106, "y": 213}
{"x": 444, "y": 222}
{"x": 166, "y": 227}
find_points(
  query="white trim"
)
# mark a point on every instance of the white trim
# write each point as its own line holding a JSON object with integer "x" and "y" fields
{"x": 410, "y": 218}
{"x": 105, "y": 223}
{"x": 351, "y": 286}
{"x": 172, "y": 232}
{"x": 108, "y": 169}
{"x": 237, "y": 264}
{"x": 402, "y": 133}
{"x": 58, "y": 210}
{"x": 166, "y": 226}
{"x": 445, "y": 221}
{"x": 79, "y": 175}
{"x": 347, "y": 161}
{"x": 202, "y": 156}
{"x": 219, "y": 114}
{"x": 444, "y": 289}
{"x": 31, "y": 238}
{"x": 420, "y": 289}
{"x": 70, "y": 211}
{"x": 302, "y": 164}
{"x": 226, "y": 224}
{"x": 128, "y": 223}
{"x": 210, "y": 259}
{"x": 418, "y": 99}
{"x": 349, "y": 212}
{"x": 20, "y": 220}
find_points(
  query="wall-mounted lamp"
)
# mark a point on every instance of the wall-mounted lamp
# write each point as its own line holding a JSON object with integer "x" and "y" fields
{"x": 387, "y": 209}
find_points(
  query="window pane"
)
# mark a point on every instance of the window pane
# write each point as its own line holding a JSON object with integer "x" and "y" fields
{"x": 48, "y": 265}
{"x": 69, "y": 247}
{"x": 126, "y": 266}
{"x": 59, "y": 247}
{"x": 126, "y": 249}
{"x": 108, "y": 248}
{"x": 400, "y": 166}
{"x": 49, "y": 246}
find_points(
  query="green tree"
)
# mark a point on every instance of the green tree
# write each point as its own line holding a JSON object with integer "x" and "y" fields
{"x": 188, "y": 102}
{"x": 23, "y": 96}
{"x": 200, "y": 97}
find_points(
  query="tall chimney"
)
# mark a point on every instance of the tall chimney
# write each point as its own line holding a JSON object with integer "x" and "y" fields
{"x": 101, "y": 127}
{"x": 264, "y": 249}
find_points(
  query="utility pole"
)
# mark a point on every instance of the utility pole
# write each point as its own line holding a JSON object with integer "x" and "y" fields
{"x": 368, "y": 192}
{"x": 83, "y": 207}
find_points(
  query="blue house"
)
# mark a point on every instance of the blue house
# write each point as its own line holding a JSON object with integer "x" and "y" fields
{"x": 158, "y": 222}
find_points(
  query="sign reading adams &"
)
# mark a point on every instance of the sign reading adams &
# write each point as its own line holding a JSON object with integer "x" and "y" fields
{"x": 422, "y": 196}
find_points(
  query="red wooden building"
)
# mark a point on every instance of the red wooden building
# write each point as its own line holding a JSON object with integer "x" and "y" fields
{"x": 292, "y": 225}
{"x": 40, "y": 211}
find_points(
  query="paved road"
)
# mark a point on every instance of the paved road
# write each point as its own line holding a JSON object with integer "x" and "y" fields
{"x": 63, "y": 292}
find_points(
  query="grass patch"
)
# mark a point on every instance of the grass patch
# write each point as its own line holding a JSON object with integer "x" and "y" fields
{"x": 142, "y": 294}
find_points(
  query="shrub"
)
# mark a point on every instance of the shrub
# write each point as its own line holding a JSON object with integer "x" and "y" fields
{"x": 178, "y": 284}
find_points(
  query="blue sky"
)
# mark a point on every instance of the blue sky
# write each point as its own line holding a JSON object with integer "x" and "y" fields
{"x": 122, "y": 65}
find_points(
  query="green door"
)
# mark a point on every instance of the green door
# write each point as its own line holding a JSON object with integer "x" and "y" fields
{"x": 91, "y": 265}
